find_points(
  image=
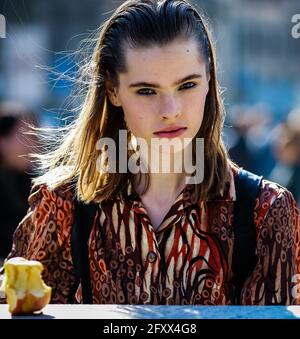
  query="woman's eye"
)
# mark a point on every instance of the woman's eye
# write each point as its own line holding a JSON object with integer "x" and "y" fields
{"x": 148, "y": 91}
{"x": 188, "y": 85}
{"x": 145, "y": 91}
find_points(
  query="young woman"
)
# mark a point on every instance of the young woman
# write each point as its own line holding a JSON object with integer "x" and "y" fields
{"x": 154, "y": 238}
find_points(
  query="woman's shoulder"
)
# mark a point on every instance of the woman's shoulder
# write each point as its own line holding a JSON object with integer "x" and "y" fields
{"x": 51, "y": 207}
{"x": 270, "y": 194}
{"x": 57, "y": 194}
{"x": 53, "y": 188}
{"x": 273, "y": 201}
{"x": 273, "y": 194}
{"x": 275, "y": 205}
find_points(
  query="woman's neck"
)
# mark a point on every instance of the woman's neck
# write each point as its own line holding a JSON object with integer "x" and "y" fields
{"x": 167, "y": 176}
{"x": 163, "y": 187}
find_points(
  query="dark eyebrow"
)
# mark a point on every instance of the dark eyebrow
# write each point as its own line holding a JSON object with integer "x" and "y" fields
{"x": 146, "y": 84}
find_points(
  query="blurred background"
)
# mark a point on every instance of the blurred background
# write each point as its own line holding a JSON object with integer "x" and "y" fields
{"x": 258, "y": 66}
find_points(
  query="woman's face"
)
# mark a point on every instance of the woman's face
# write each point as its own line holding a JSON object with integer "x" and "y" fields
{"x": 164, "y": 87}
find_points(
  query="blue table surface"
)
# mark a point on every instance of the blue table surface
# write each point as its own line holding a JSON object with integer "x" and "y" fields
{"x": 159, "y": 312}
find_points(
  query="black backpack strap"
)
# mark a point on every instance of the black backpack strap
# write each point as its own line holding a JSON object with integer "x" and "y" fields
{"x": 244, "y": 259}
{"x": 83, "y": 219}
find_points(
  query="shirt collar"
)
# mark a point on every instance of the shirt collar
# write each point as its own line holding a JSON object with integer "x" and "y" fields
{"x": 187, "y": 195}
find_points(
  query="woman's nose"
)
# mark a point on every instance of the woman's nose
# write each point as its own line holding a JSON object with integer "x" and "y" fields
{"x": 170, "y": 107}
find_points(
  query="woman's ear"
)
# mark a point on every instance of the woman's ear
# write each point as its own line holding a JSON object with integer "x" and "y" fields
{"x": 112, "y": 92}
{"x": 113, "y": 97}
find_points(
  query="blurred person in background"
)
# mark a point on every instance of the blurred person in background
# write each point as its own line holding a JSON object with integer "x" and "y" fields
{"x": 15, "y": 170}
{"x": 250, "y": 145}
{"x": 287, "y": 152}
{"x": 239, "y": 150}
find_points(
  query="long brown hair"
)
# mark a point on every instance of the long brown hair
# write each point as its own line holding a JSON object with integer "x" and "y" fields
{"x": 135, "y": 23}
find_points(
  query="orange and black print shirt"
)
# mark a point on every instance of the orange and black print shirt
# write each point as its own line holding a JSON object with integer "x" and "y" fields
{"x": 186, "y": 260}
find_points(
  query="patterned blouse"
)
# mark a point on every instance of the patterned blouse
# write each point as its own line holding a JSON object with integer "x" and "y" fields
{"x": 186, "y": 260}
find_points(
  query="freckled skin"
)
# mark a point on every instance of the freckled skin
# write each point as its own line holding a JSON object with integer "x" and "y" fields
{"x": 169, "y": 105}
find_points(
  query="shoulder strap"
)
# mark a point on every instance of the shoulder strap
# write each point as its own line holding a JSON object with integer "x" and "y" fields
{"x": 247, "y": 187}
{"x": 81, "y": 229}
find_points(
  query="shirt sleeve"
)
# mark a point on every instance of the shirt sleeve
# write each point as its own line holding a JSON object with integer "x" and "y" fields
{"x": 276, "y": 277}
{"x": 44, "y": 235}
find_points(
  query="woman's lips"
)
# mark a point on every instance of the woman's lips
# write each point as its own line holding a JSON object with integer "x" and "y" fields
{"x": 169, "y": 134}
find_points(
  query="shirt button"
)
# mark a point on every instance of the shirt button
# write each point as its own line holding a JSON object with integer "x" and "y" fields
{"x": 152, "y": 256}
